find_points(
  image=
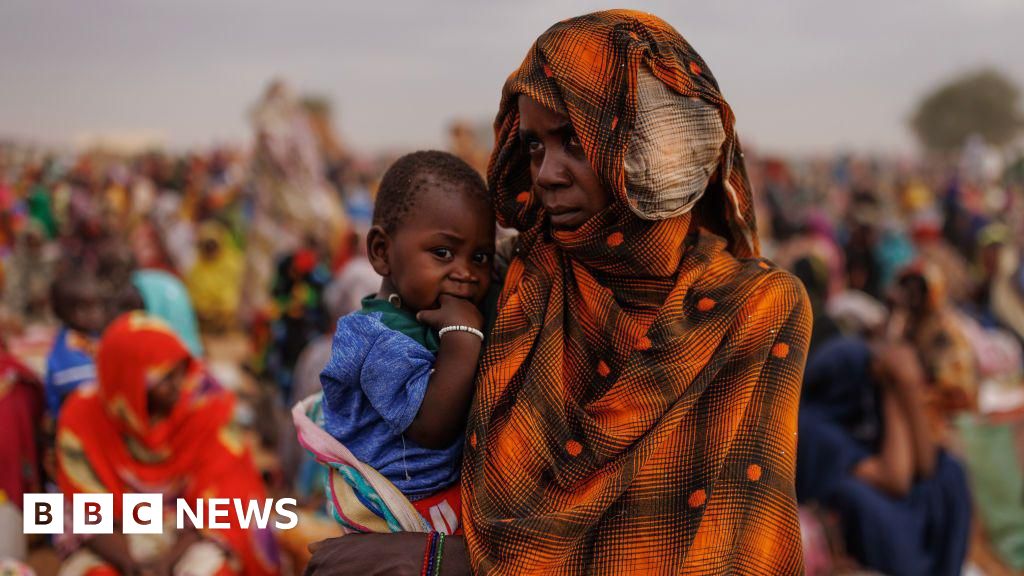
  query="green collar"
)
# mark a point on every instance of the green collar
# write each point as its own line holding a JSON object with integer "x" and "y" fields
{"x": 401, "y": 320}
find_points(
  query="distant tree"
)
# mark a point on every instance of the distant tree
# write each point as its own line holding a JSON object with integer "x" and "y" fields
{"x": 982, "y": 102}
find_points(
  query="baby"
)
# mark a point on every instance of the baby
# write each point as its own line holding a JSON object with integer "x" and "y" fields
{"x": 399, "y": 382}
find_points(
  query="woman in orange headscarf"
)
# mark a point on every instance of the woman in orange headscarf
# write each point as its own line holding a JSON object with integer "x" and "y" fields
{"x": 154, "y": 424}
{"x": 637, "y": 401}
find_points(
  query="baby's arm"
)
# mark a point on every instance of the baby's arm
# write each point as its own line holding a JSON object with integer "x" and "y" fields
{"x": 442, "y": 414}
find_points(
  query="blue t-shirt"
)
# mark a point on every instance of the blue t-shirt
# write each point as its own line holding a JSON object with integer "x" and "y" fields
{"x": 69, "y": 365}
{"x": 374, "y": 385}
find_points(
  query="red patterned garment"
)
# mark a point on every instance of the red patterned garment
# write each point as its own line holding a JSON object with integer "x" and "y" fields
{"x": 106, "y": 442}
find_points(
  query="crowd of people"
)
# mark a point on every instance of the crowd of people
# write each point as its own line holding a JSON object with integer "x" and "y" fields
{"x": 214, "y": 281}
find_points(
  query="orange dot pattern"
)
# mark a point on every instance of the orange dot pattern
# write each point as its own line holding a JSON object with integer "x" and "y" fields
{"x": 697, "y": 498}
{"x": 615, "y": 239}
{"x": 573, "y": 448}
{"x": 603, "y": 369}
{"x": 780, "y": 350}
{"x": 753, "y": 472}
{"x": 705, "y": 304}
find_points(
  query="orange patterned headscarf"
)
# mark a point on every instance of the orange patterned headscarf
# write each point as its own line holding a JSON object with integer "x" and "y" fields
{"x": 636, "y": 405}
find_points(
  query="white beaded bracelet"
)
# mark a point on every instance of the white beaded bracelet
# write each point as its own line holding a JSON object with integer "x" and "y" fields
{"x": 469, "y": 329}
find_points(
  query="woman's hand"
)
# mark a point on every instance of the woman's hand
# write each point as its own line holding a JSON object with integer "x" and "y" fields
{"x": 160, "y": 567}
{"x": 372, "y": 554}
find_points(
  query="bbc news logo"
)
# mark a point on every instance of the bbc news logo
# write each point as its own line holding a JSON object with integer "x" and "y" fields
{"x": 144, "y": 513}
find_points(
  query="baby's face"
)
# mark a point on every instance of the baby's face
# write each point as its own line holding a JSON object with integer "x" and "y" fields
{"x": 445, "y": 245}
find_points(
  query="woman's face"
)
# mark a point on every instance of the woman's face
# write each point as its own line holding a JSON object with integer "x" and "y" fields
{"x": 163, "y": 394}
{"x": 911, "y": 293}
{"x": 563, "y": 180}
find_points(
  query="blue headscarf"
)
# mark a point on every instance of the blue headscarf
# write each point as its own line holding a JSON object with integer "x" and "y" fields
{"x": 167, "y": 298}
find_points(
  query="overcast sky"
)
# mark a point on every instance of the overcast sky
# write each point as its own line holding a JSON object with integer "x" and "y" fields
{"x": 801, "y": 75}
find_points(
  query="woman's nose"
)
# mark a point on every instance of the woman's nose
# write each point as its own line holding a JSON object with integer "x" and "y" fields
{"x": 553, "y": 172}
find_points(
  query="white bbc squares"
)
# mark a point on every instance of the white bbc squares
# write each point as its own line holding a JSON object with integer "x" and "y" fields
{"x": 142, "y": 514}
{"x": 93, "y": 514}
{"x": 42, "y": 514}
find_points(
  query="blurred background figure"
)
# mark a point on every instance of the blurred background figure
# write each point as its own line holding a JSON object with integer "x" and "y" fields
{"x": 215, "y": 280}
{"x": 157, "y": 424}
{"x": 291, "y": 201}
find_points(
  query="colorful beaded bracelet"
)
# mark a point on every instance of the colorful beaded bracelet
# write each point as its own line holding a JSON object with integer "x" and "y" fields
{"x": 432, "y": 554}
{"x": 427, "y": 553}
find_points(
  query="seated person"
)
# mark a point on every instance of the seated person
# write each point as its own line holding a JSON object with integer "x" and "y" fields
{"x": 866, "y": 451}
{"x": 155, "y": 424}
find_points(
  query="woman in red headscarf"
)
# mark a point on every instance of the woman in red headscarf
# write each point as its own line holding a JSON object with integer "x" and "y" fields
{"x": 154, "y": 424}
{"x": 636, "y": 408}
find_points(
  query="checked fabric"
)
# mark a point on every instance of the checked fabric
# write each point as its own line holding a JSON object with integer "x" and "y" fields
{"x": 636, "y": 406}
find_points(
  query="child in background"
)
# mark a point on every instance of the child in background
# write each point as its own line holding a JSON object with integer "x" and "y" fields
{"x": 400, "y": 379}
{"x": 77, "y": 299}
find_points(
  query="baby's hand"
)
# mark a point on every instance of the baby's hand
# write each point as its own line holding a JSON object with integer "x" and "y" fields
{"x": 452, "y": 312}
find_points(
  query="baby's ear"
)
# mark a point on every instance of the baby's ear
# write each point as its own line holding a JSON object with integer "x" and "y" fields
{"x": 378, "y": 250}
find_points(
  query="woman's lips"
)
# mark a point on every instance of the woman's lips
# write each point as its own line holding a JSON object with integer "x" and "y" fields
{"x": 566, "y": 218}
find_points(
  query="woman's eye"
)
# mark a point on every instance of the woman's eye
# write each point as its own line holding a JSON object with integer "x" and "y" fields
{"x": 534, "y": 146}
{"x": 443, "y": 253}
{"x": 482, "y": 258}
{"x": 573, "y": 144}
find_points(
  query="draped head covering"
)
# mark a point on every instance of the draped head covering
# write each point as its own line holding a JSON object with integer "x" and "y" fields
{"x": 166, "y": 297}
{"x": 107, "y": 443}
{"x": 599, "y": 70}
{"x": 940, "y": 336}
{"x": 636, "y": 405}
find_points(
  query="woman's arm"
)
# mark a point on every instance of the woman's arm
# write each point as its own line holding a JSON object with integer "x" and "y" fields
{"x": 113, "y": 549}
{"x": 907, "y": 450}
{"x": 906, "y": 377}
{"x": 891, "y": 470}
{"x": 373, "y": 554}
{"x": 165, "y": 564}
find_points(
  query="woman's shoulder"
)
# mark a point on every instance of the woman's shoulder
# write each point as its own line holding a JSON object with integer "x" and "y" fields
{"x": 773, "y": 301}
{"x": 769, "y": 281}
{"x": 81, "y": 404}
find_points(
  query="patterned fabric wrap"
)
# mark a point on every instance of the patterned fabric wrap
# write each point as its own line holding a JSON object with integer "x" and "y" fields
{"x": 587, "y": 68}
{"x": 674, "y": 150}
{"x": 636, "y": 409}
{"x": 359, "y": 498}
{"x": 106, "y": 442}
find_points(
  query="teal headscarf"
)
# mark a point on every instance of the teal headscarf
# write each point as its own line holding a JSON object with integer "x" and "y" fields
{"x": 167, "y": 298}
